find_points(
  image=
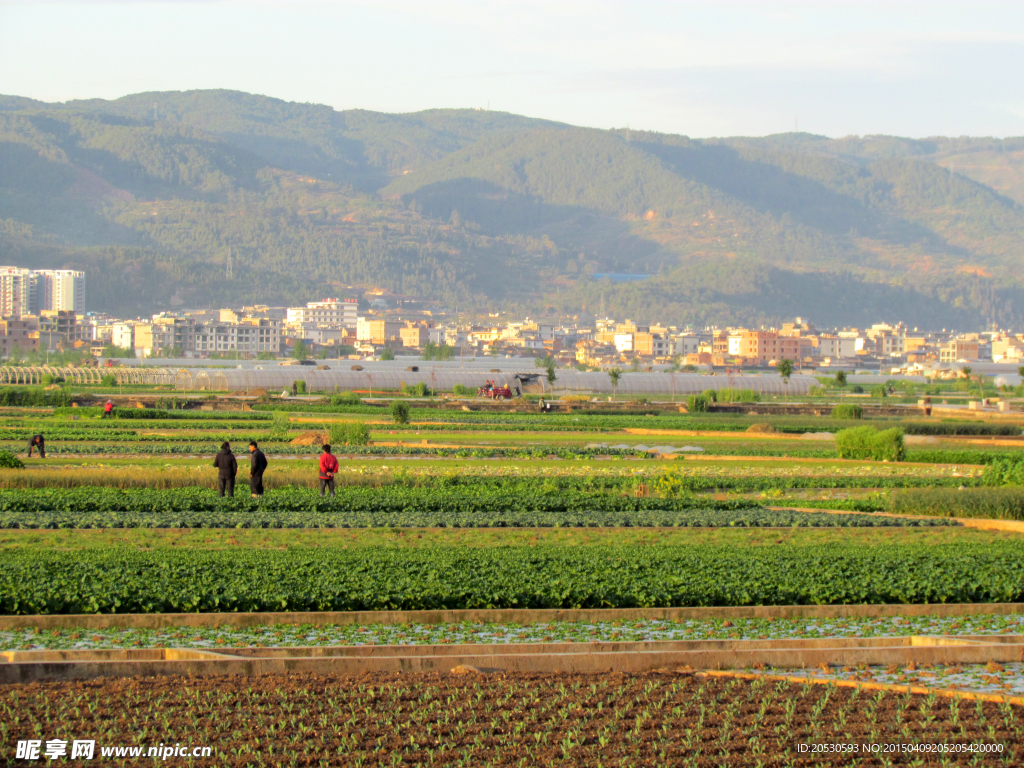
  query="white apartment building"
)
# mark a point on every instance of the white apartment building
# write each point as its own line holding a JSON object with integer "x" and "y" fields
{"x": 249, "y": 336}
{"x": 687, "y": 344}
{"x": 837, "y": 346}
{"x": 736, "y": 345}
{"x": 61, "y": 289}
{"x": 18, "y": 294}
{"x": 29, "y": 291}
{"x": 330, "y": 313}
{"x": 123, "y": 335}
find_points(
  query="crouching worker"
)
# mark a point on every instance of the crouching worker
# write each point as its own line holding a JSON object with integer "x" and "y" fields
{"x": 39, "y": 442}
{"x": 227, "y": 468}
{"x": 257, "y": 465}
{"x": 328, "y": 468}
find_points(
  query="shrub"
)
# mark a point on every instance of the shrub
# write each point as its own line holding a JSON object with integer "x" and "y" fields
{"x": 870, "y": 443}
{"x": 346, "y": 398}
{"x": 762, "y": 426}
{"x": 1004, "y": 472}
{"x": 460, "y": 390}
{"x": 710, "y": 395}
{"x": 416, "y": 390}
{"x": 730, "y": 395}
{"x": 847, "y": 412}
{"x": 400, "y": 412}
{"x": 696, "y": 404}
{"x": 109, "y": 381}
{"x": 350, "y": 433}
{"x": 300, "y": 387}
{"x": 857, "y": 389}
{"x": 9, "y": 461}
{"x": 34, "y": 396}
{"x": 279, "y": 430}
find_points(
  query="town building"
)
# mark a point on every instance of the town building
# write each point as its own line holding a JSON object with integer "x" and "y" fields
{"x": 329, "y": 313}
{"x": 377, "y": 331}
{"x": 18, "y": 335}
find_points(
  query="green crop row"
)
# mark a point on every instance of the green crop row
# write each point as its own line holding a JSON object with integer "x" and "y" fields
{"x": 337, "y": 516}
{"x": 1005, "y": 503}
{"x": 389, "y": 500}
{"x": 158, "y": 447}
{"x": 385, "y": 578}
{"x": 153, "y": 413}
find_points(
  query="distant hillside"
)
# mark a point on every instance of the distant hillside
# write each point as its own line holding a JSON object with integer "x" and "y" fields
{"x": 491, "y": 210}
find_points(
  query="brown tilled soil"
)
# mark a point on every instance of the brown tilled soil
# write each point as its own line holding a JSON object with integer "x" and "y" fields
{"x": 471, "y": 719}
{"x": 311, "y": 438}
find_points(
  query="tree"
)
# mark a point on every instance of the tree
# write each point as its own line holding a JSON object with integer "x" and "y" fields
{"x": 635, "y": 364}
{"x": 785, "y": 369}
{"x": 1020, "y": 371}
{"x": 966, "y": 370}
{"x": 387, "y": 354}
{"x": 301, "y": 350}
{"x": 551, "y": 371}
{"x": 841, "y": 381}
{"x": 400, "y": 412}
{"x": 614, "y": 374}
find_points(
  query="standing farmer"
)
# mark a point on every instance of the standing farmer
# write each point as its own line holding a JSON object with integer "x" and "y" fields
{"x": 328, "y": 467}
{"x": 257, "y": 464}
{"x": 39, "y": 442}
{"x": 227, "y": 469}
{"x": 108, "y": 409}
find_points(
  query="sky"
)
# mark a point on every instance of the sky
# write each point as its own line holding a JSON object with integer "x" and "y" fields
{"x": 695, "y": 68}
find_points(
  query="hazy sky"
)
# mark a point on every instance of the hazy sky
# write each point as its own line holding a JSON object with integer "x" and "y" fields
{"x": 697, "y": 68}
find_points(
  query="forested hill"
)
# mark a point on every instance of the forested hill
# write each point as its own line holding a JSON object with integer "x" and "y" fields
{"x": 150, "y": 193}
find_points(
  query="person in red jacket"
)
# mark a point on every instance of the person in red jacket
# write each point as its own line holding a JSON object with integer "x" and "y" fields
{"x": 328, "y": 468}
{"x": 108, "y": 410}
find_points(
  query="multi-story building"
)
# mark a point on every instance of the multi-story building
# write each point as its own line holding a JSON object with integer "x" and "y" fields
{"x": 331, "y": 313}
{"x": 18, "y": 294}
{"x": 832, "y": 346}
{"x": 1009, "y": 349}
{"x": 60, "y": 321}
{"x": 61, "y": 289}
{"x": 29, "y": 291}
{"x": 17, "y": 334}
{"x": 414, "y": 335}
{"x": 377, "y": 331}
{"x": 760, "y": 346}
{"x": 123, "y": 335}
{"x": 958, "y": 350}
{"x": 166, "y": 333}
{"x": 247, "y": 336}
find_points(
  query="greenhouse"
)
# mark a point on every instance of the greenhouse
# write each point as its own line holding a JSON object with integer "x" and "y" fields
{"x": 437, "y": 378}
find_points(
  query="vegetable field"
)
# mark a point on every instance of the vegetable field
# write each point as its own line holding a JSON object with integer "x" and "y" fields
{"x": 170, "y": 581}
{"x": 359, "y": 507}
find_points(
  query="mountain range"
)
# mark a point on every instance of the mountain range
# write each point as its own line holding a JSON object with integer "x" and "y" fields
{"x": 152, "y": 194}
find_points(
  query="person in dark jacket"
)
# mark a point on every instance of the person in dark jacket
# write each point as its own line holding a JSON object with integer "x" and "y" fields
{"x": 39, "y": 442}
{"x": 257, "y": 464}
{"x": 227, "y": 469}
